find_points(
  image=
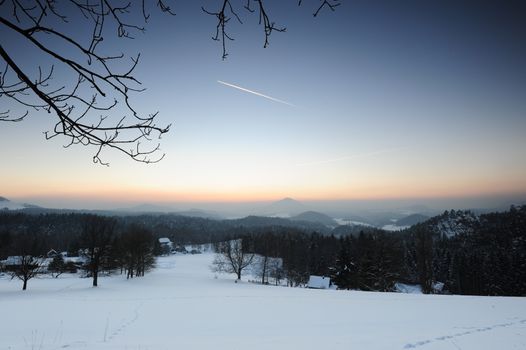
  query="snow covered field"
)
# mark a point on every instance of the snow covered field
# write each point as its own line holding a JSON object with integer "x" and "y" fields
{"x": 181, "y": 305}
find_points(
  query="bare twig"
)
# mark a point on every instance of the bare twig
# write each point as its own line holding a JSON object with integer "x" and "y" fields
{"x": 97, "y": 87}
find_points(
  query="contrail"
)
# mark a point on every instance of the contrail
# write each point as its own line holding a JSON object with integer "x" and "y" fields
{"x": 255, "y": 93}
{"x": 351, "y": 157}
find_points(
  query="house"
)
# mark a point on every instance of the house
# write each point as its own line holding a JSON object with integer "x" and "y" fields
{"x": 13, "y": 261}
{"x": 319, "y": 282}
{"x": 52, "y": 254}
{"x": 180, "y": 249}
{"x": 166, "y": 245}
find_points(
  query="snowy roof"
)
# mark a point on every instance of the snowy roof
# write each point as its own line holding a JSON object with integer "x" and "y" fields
{"x": 164, "y": 240}
{"x": 13, "y": 260}
{"x": 74, "y": 259}
{"x": 319, "y": 282}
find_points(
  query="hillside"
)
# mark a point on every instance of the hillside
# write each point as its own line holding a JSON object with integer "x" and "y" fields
{"x": 474, "y": 254}
{"x": 314, "y": 216}
{"x": 182, "y": 305}
{"x": 285, "y": 207}
{"x": 411, "y": 220}
{"x": 269, "y": 222}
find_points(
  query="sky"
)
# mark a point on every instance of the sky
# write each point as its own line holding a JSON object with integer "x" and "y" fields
{"x": 374, "y": 101}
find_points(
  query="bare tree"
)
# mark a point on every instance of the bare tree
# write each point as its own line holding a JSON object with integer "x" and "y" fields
{"x": 58, "y": 266}
{"x": 136, "y": 251}
{"x": 97, "y": 237}
{"x": 25, "y": 267}
{"x": 262, "y": 268}
{"x": 232, "y": 257}
{"x": 5, "y": 241}
{"x": 266, "y": 267}
{"x": 275, "y": 270}
{"x": 26, "y": 264}
{"x": 99, "y": 84}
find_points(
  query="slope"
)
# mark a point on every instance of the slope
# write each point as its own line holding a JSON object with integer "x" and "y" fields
{"x": 182, "y": 306}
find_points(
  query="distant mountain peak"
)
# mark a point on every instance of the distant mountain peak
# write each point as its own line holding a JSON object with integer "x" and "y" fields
{"x": 287, "y": 199}
{"x": 3, "y": 199}
{"x": 314, "y": 216}
{"x": 285, "y": 207}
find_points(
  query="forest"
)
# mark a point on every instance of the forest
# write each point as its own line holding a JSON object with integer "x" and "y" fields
{"x": 457, "y": 252}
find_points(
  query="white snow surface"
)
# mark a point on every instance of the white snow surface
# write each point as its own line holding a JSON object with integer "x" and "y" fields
{"x": 344, "y": 222}
{"x": 182, "y": 305}
{"x": 391, "y": 227}
{"x": 319, "y": 282}
{"x": 459, "y": 222}
{"x": 408, "y": 288}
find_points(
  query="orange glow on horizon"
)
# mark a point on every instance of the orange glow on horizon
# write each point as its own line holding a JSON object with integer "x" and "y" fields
{"x": 386, "y": 192}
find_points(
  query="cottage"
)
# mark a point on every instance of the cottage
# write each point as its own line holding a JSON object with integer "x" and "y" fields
{"x": 319, "y": 282}
{"x": 166, "y": 245}
{"x": 13, "y": 261}
{"x": 52, "y": 254}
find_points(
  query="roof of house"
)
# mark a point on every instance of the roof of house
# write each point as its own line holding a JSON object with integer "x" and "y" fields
{"x": 319, "y": 282}
{"x": 13, "y": 260}
{"x": 164, "y": 240}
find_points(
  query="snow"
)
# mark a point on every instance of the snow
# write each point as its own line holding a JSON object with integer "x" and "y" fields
{"x": 394, "y": 227}
{"x": 460, "y": 222}
{"x": 408, "y": 288}
{"x": 319, "y": 282}
{"x": 180, "y": 305}
{"x": 344, "y": 222}
{"x": 280, "y": 215}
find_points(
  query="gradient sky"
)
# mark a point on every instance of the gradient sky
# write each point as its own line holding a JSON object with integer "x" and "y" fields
{"x": 385, "y": 100}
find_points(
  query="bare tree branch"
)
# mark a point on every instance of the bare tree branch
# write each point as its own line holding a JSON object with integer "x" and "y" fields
{"x": 330, "y": 4}
{"x": 97, "y": 88}
{"x": 99, "y": 84}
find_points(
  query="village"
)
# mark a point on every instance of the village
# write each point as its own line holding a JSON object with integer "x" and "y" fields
{"x": 56, "y": 263}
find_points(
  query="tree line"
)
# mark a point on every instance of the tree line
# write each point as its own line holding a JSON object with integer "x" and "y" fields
{"x": 456, "y": 252}
{"x": 104, "y": 246}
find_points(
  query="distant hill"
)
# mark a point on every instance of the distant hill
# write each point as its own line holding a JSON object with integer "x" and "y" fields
{"x": 454, "y": 222}
{"x": 411, "y": 220}
{"x": 314, "y": 216}
{"x": 285, "y": 207}
{"x": 352, "y": 230}
{"x": 6, "y": 204}
{"x": 264, "y": 221}
{"x": 198, "y": 213}
{"x": 148, "y": 208}
{"x": 164, "y": 209}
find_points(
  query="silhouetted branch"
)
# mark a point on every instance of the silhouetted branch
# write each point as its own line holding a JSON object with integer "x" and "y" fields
{"x": 97, "y": 88}
{"x": 330, "y": 4}
{"x": 99, "y": 84}
{"x": 222, "y": 20}
{"x": 268, "y": 26}
{"x": 226, "y": 11}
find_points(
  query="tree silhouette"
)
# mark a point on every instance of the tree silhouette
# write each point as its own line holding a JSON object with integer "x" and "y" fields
{"x": 94, "y": 106}
{"x": 97, "y": 237}
{"x": 27, "y": 262}
{"x": 232, "y": 257}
